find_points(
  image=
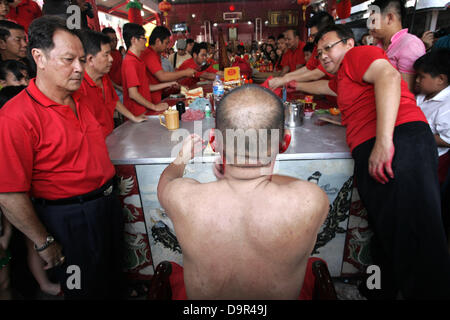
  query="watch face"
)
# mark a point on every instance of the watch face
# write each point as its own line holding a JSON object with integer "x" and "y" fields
{"x": 50, "y": 239}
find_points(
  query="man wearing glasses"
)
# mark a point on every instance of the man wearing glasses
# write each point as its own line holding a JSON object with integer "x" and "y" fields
{"x": 136, "y": 85}
{"x": 395, "y": 165}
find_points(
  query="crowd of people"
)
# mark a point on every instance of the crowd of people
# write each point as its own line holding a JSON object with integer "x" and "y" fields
{"x": 61, "y": 88}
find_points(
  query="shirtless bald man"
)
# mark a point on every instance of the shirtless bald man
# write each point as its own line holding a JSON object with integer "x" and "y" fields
{"x": 251, "y": 237}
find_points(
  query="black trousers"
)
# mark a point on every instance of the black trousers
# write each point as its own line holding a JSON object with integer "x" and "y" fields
{"x": 91, "y": 235}
{"x": 409, "y": 244}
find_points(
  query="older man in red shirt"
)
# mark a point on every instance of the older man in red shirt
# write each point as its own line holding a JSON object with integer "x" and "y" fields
{"x": 294, "y": 57}
{"x": 198, "y": 60}
{"x": 97, "y": 86}
{"x": 157, "y": 43}
{"x": 24, "y": 12}
{"x": 54, "y": 151}
{"x": 395, "y": 166}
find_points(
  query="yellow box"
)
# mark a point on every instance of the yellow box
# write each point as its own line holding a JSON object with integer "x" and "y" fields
{"x": 232, "y": 74}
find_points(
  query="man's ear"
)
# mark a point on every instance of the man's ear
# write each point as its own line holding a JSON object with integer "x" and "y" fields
{"x": 351, "y": 43}
{"x": 391, "y": 17}
{"x": 2, "y": 44}
{"x": 442, "y": 78}
{"x": 284, "y": 145}
{"x": 39, "y": 58}
{"x": 90, "y": 59}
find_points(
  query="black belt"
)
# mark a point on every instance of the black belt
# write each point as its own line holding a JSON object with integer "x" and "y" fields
{"x": 103, "y": 191}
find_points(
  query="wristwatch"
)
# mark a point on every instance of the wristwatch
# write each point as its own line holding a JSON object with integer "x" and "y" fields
{"x": 48, "y": 241}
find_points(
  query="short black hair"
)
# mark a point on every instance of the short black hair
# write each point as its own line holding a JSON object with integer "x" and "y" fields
{"x": 280, "y": 36}
{"x": 7, "y": 1}
{"x": 93, "y": 40}
{"x": 435, "y": 62}
{"x": 309, "y": 47}
{"x": 343, "y": 32}
{"x": 132, "y": 30}
{"x": 397, "y": 6}
{"x": 9, "y": 92}
{"x": 41, "y": 32}
{"x": 161, "y": 33}
{"x": 108, "y": 30}
{"x": 295, "y": 31}
{"x": 199, "y": 46}
{"x": 5, "y": 26}
{"x": 13, "y": 66}
{"x": 271, "y": 37}
{"x": 189, "y": 41}
{"x": 320, "y": 20}
{"x": 250, "y": 107}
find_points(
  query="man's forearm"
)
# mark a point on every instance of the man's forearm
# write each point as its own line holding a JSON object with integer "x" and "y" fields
{"x": 208, "y": 76}
{"x": 292, "y": 75}
{"x": 307, "y": 75}
{"x": 160, "y": 86}
{"x": 19, "y": 211}
{"x": 136, "y": 96}
{"x": 165, "y": 76}
{"x": 124, "y": 111}
{"x": 440, "y": 142}
{"x": 315, "y": 87}
{"x": 387, "y": 99}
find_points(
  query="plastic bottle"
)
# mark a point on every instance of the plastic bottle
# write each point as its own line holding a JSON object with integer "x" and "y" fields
{"x": 218, "y": 91}
{"x": 208, "y": 111}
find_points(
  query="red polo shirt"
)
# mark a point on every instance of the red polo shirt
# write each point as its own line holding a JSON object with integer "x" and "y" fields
{"x": 292, "y": 58}
{"x": 47, "y": 150}
{"x": 190, "y": 81}
{"x": 116, "y": 69}
{"x": 134, "y": 75}
{"x": 356, "y": 98}
{"x": 102, "y": 102}
{"x": 152, "y": 61}
{"x": 25, "y": 13}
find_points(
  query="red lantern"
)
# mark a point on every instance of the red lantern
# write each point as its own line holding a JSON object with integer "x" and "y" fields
{"x": 231, "y": 8}
{"x": 304, "y": 4}
{"x": 343, "y": 8}
{"x": 134, "y": 12}
{"x": 165, "y": 8}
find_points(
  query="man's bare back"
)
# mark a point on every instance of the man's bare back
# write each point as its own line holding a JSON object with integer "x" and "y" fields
{"x": 245, "y": 238}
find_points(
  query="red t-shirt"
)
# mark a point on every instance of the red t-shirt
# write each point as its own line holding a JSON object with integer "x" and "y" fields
{"x": 134, "y": 75}
{"x": 47, "y": 150}
{"x": 102, "y": 103}
{"x": 25, "y": 13}
{"x": 190, "y": 81}
{"x": 292, "y": 58}
{"x": 356, "y": 98}
{"x": 116, "y": 69}
{"x": 152, "y": 61}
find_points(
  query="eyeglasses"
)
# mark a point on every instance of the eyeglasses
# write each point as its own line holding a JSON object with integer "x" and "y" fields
{"x": 328, "y": 48}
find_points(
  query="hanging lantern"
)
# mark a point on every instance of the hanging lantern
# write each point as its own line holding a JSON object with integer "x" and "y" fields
{"x": 304, "y": 4}
{"x": 134, "y": 12}
{"x": 165, "y": 8}
{"x": 343, "y": 8}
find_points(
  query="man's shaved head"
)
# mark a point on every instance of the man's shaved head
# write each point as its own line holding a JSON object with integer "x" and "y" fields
{"x": 253, "y": 109}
